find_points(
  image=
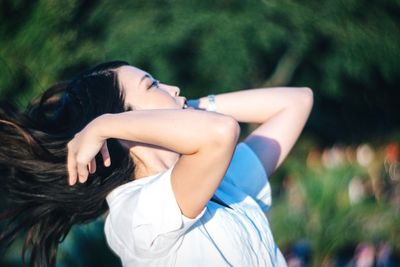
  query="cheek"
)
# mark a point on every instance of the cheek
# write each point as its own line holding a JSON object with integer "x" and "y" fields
{"x": 155, "y": 100}
{"x": 134, "y": 100}
{"x": 129, "y": 101}
{"x": 158, "y": 102}
{"x": 160, "y": 99}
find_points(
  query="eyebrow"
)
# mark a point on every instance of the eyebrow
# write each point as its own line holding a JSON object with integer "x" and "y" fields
{"x": 144, "y": 78}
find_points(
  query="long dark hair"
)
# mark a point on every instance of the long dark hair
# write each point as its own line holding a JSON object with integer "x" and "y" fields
{"x": 36, "y": 198}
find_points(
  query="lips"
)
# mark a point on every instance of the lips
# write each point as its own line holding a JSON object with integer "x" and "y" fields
{"x": 185, "y": 105}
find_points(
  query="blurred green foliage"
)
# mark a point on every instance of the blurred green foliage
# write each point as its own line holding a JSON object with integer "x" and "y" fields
{"x": 315, "y": 205}
{"x": 347, "y": 51}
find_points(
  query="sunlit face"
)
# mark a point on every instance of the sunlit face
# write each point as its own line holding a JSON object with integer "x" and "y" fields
{"x": 142, "y": 91}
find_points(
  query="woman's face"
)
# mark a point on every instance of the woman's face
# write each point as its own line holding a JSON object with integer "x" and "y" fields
{"x": 142, "y": 91}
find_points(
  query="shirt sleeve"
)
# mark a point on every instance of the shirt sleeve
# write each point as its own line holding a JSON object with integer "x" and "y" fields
{"x": 248, "y": 174}
{"x": 152, "y": 218}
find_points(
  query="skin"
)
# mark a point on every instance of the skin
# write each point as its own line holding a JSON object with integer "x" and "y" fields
{"x": 198, "y": 144}
{"x": 143, "y": 92}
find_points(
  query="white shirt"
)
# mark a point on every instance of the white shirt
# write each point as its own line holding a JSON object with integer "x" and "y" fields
{"x": 145, "y": 226}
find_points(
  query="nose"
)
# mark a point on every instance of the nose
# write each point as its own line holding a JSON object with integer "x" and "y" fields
{"x": 173, "y": 90}
{"x": 176, "y": 90}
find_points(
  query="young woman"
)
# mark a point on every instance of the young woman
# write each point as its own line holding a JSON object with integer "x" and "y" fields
{"x": 178, "y": 188}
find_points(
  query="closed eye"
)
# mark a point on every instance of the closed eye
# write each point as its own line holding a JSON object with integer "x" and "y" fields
{"x": 155, "y": 83}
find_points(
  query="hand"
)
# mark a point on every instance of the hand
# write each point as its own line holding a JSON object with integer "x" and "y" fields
{"x": 82, "y": 150}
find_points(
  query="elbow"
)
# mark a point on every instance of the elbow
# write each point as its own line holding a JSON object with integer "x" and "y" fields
{"x": 308, "y": 97}
{"x": 227, "y": 131}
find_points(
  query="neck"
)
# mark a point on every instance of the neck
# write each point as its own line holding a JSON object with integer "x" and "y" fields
{"x": 150, "y": 160}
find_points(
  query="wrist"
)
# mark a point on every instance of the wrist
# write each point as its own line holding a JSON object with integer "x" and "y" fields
{"x": 100, "y": 126}
{"x": 193, "y": 103}
{"x": 207, "y": 103}
{"x": 211, "y": 104}
{"x": 200, "y": 103}
{"x": 204, "y": 103}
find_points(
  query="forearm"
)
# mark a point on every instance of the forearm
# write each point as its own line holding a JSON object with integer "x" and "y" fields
{"x": 183, "y": 131}
{"x": 257, "y": 105}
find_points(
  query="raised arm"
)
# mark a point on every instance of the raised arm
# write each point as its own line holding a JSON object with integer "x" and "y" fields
{"x": 205, "y": 141}
{"x": 282, "y": 113}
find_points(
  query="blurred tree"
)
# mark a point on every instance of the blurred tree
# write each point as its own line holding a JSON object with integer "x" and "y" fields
{"x": 316, "y": 207}
{"x": 40, "y": 42}
{"x": 347, "y": 51}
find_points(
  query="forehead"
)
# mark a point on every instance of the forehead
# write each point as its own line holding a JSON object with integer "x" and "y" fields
{"x": 129, "y": 76}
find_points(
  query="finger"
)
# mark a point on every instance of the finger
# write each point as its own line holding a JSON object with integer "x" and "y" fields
{"x": 92, "y": 166}
{"x": 83, "y": 172}
{"x": 71, "y": 167}
{"x": 106, "y": 155}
